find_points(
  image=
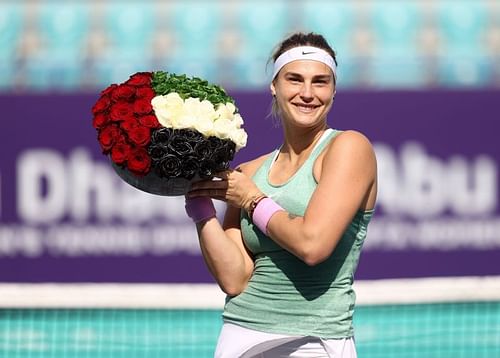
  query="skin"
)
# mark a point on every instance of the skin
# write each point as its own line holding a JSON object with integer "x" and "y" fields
{"x": 345, "y": 172}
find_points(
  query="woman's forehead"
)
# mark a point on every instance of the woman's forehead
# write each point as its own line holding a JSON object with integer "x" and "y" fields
{"x": 307, "y": 68}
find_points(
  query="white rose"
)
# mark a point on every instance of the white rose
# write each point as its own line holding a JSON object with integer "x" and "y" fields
{"x": 190, "y": 114}
{"x": 158, "y": 102}
{"x": 159, "y": 107}
{"x": 207, "y": 110}
{"x": 182, "y": 120}
{"x": 175, "y": 108}
{"x": 174, "y": 99}
{"x": 192, "y": 107}
{"x": 223, "y": 127}
{"x": 163, "y": 117}
{"x": 239, "y": 137}
{"x": 205, "y": 126}
{"x": 168, "y": 109}
{"x": 201, "y": 113}
{"x": 230, "y": 107}
{"x": 191, "y": 104}
{"x": 223, "y": 112}
{"x": 238, "y": 120}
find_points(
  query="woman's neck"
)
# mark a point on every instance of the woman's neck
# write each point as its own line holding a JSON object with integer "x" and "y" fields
{"x": 298, "y": 143}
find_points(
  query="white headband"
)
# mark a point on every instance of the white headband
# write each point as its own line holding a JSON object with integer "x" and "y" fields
{"x": 304, "y": 53}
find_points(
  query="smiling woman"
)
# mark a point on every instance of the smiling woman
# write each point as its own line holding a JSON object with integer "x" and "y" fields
{"x": 305, "y": 92}
{"x": 296, "y": 221}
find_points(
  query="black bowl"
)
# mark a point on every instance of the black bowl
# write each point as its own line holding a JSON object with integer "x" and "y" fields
{"x": 153, "y": 184}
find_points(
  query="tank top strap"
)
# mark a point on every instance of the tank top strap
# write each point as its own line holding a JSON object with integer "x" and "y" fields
{"x": 322, "y": 143}
{"x": 264, "y": 169}
{"x": 324, "y": 140}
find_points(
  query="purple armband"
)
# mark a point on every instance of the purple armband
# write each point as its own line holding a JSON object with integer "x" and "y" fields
{"x": 263, "y": 212}
{"x": 200, "y": 208}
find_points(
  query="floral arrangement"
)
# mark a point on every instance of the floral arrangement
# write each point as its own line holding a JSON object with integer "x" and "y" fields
{"x": 163, "y": 130}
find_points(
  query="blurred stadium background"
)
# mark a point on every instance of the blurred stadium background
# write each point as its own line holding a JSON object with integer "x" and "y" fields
{"x": 84, "y": 45}
{"x": 120, "y": 275}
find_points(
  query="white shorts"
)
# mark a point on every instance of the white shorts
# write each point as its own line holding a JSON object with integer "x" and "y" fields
{"x": 239, "y": 342}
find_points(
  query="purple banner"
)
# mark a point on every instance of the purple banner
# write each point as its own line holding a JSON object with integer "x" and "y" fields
{"x": 65, "y": 216}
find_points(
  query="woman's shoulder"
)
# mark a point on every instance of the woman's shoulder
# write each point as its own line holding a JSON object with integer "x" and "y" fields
{"x": 249, "y": 168}
{"x": 350, "y": 145}
{"x": 350, "y": 138}
{"x": 351, "y": 135}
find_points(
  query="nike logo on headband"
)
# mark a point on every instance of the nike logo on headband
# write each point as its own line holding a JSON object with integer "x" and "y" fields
{"x": 307, "y": 53}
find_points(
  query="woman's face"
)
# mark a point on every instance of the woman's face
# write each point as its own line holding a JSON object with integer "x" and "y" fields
{"x": 304, "y": 91}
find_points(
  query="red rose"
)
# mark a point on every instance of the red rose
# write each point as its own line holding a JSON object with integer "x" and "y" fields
{"x": 128, "y": 124}
{"x": 108, "y": 136}
{"x": 121, "y": 138}
{"x": 145, "y": 93}
{"x": 121, "y": 111}
{"x": 120, "y": 152}
{"x": 108, "y": 90}
{"x": 100, "y": 120}
{"x": 140, "y": 135}
{"x": 140, "y": 79}
{"x": 139, "y": 161}
{"x": 101, "y": 105}
{"x": 142, "y": 106}
{"x": 149, "y": 121}
{"x": 123, "y": 93}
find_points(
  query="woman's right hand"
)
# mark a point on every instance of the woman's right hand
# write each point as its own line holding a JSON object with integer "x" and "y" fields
{"x": 231, "y": 186}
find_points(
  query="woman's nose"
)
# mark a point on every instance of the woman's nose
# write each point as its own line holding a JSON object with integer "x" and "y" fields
{"x": 306, "y": 91}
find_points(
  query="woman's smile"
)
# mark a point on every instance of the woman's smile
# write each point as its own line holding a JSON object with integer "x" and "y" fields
{"x": 305, "y": 108}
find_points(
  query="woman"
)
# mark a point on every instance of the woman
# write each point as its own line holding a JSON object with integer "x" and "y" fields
{"x": 296, "y": 220}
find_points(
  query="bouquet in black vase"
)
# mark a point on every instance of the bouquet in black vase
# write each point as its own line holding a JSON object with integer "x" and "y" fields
{"x": 163, "y": 131}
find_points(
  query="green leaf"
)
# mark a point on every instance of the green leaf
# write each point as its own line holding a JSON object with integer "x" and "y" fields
{"x": 164, "y": 83}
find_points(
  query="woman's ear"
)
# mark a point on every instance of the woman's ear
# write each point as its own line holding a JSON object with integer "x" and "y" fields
{"x": 273, "y": 90}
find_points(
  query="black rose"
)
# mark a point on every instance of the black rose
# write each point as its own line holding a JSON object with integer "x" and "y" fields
{"x": 221, "y": 158}
{"x": 161, "y": 136}
{"x": 179, "y": 146}
{"x": 207, "y": 169}
{"x": 169, "y": 166}
{"x": 203, "y": 150}
{"x": 189, "y": 167}
{"x": 193, "y": 136}
{"x": 215, "y": 142}
{"x": 230, "y": 148}
{"x": 157, "y": 152}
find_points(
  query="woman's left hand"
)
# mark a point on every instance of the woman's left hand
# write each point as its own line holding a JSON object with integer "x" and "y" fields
{"x": 231, "y": 186}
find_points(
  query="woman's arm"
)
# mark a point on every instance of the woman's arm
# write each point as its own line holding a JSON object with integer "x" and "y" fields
{"x": 347, "y": 183}
{"x": 224, "y": 252}
{"x": 222, "y": 246}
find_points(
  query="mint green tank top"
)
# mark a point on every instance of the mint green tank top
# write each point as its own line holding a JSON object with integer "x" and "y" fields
{"x": 284, "y": 295}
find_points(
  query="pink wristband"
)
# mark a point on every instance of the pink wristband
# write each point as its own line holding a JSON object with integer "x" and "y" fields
{"x": 263, "y": 212}
{"x": 200, "y": 208}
